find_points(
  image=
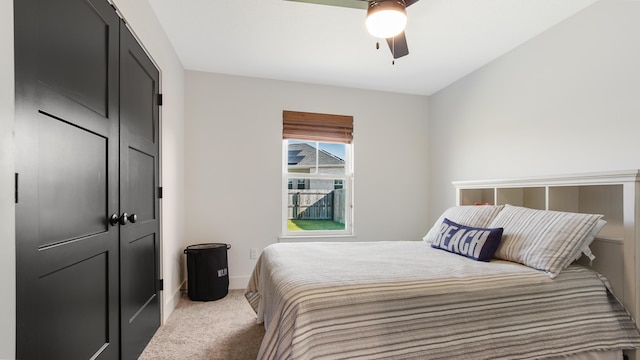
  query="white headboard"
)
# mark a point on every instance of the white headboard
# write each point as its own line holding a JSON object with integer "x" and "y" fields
{"x": 614, "y": 194}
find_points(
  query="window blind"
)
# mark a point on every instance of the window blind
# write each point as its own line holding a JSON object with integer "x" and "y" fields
{"x": 317, "y": 127}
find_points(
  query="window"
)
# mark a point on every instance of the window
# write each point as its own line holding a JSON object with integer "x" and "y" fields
{"x": 317, "y": 174}
{"x": 299, "y": 184}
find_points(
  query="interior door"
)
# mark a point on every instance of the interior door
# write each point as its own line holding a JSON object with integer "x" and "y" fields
{"x": 139, "y": 204}
{"x": 66, "y": 132}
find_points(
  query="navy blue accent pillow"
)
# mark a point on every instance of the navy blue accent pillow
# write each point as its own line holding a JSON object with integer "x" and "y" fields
{"x": 475, "y": 243}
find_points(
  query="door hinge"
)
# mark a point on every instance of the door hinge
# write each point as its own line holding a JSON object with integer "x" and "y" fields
{"x": 161, "y": 284}
{"x": 159, "y": 99}
{"x": 160, "y": 192}
{"x": 16, "y": 187}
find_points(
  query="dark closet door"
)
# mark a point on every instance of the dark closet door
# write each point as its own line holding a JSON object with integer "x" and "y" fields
{"x": 66, "y": 131}
{"x": 139, "y": 241}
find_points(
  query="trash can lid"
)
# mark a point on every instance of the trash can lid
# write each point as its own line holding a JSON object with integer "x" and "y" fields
{"x": 206, "y": 246}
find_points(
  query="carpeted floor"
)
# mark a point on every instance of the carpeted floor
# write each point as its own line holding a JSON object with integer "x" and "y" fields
{"x": 222, "y": 329}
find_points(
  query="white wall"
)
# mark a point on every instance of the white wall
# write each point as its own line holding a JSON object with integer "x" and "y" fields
{"x": 7, "y": 211}
{"x": 568, "y": 101}
{"x": 146, "y": 27}
{"x": 234, "y": 151}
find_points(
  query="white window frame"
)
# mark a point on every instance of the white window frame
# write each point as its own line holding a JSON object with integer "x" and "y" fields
{"x": 347, "y": 179}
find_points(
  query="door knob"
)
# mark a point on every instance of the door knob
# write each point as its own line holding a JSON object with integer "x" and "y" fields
{"x": 124, "y": 218}
{"x": 114, "y": 219}
{"x": 132, "y": 218}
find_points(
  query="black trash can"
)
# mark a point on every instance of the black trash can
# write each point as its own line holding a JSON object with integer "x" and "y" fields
{"x": 208, "y": 277}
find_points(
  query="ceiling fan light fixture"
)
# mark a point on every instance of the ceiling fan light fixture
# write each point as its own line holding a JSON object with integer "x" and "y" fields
{"x": 386, "y": 18}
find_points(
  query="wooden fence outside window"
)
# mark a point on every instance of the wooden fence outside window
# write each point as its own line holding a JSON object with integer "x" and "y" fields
{"x": 316, "y": 205}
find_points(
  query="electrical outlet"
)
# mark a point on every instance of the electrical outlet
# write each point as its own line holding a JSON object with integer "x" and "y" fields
{"x": 253, "y": 253}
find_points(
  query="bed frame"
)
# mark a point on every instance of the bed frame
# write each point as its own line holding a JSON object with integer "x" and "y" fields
{"x": 614, "y": 194}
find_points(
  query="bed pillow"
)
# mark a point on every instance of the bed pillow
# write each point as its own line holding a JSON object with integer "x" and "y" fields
{"x": 472, "y": 242}
{"x": 584, "y": 248}
{"x": 542, "y": 239}
{"x": 468, "y": 215}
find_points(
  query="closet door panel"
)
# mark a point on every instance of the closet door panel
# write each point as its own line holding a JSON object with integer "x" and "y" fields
{"x": 139, "y": 169}
{"x": 142, "y": 194}
{"x": 142, "y": 276}
{"x": 81, "y": 301}
{"x": 141, "y": 85}
{"x": 72, "y": 182}
{"x": 74, "y": 42}
{"x": 67, "y": 144}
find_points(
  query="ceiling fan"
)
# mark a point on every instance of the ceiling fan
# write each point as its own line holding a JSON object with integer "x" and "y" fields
{"x": 376, "y": 9}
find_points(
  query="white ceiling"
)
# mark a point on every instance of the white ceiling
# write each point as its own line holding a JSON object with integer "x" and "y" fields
{"x": 287, "y": 40}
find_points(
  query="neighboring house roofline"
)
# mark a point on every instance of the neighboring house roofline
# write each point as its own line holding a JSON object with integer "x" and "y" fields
{"x": 303, "y": 155}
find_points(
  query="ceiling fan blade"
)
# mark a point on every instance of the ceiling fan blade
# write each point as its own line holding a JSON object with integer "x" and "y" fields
{"x": 410, "y": 2}
{"x": 398, "y": 45}
{"x": 355, "y": 4}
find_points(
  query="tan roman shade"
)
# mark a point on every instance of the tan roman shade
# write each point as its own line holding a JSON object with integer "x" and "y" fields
{"x": 317, "y": 127}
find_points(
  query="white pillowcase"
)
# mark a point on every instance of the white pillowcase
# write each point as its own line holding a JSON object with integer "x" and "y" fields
{"x": 469, "y": 215}
{"x": 542, "y": 239}
{"x": 585, "y": 249}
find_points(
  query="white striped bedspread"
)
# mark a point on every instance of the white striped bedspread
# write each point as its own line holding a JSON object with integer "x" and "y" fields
{"x": 405, "y": 300}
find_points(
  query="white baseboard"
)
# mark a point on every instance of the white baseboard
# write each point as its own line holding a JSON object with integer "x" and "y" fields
{"x": 172, "y": 301}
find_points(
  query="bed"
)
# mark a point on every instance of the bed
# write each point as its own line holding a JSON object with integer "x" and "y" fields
{"x": 442, "y": 298}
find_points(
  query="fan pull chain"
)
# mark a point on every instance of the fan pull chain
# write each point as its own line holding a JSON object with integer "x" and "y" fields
{"x": 393, "y": 50}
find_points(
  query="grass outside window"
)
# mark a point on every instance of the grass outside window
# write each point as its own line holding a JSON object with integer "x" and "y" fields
{"x": 297, "y": 225}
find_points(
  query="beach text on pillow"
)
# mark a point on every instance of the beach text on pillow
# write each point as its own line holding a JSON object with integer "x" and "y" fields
{"x": 475, "y": 243}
